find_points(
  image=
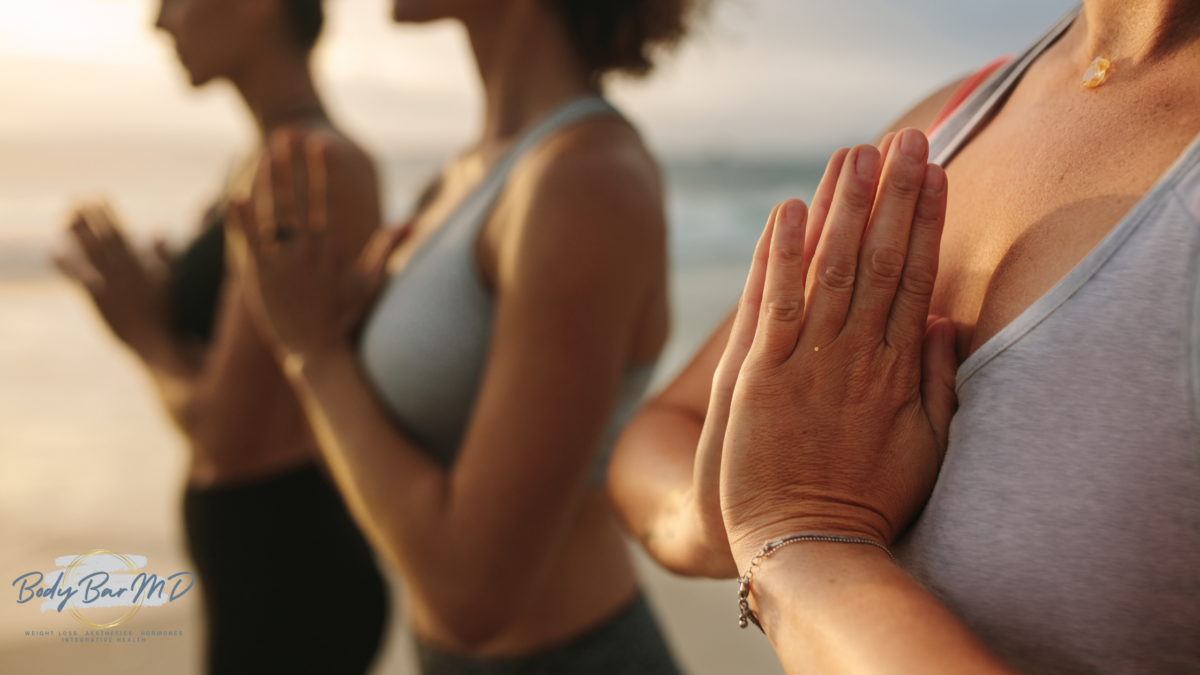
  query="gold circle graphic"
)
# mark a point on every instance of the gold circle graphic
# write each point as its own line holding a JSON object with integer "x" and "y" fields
{"x": 71, "y": 602}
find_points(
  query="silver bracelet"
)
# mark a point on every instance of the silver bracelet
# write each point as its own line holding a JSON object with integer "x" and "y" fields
{"x": 747, "y": 615}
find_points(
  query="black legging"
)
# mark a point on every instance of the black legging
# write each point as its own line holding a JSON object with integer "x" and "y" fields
{"x": 289, "y": 582}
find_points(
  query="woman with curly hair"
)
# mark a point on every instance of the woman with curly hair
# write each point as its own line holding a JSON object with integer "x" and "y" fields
{"x": 506, "y": 341}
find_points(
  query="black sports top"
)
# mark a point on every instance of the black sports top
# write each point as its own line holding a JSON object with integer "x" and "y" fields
{"x": 196, "y": 277}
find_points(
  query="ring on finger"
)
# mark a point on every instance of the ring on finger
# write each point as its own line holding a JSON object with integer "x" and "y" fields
{"x": 282, "y": 233}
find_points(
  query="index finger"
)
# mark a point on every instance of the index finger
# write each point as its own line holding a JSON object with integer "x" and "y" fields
{"x": 884, "y": 247}
{"x": 821, "y": 202}
{"x": 835, "y": 262}
{"x": 316, "y": 155}
{"x": 745, "y": 323}
{"x": 910, "y": 310}
{"x": 285, "y": 167}
{"x": 104, "y": 223}
{"x": 263, "y": 197}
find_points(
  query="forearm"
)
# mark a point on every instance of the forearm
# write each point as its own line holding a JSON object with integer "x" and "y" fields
{"x": 845, "y": 608}
{"x": 651, "y": 486}
{"x": 381, "y": 474}
{"x": 403, "y": 501}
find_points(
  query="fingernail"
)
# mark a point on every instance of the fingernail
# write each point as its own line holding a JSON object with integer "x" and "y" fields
{"x": 948, "y": 334}
{"x": 868, "y": 159}
{"x": 912, "y": 144}
{"x": 791, "y": 213}
{"x": 935, "y": 180}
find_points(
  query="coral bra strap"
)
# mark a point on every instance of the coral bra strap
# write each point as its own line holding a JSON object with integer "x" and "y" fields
{"x": 977, "y": 107}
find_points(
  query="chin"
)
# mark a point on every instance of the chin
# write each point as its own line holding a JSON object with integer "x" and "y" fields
{"x": 200, "y": 80}
{"x": 419, "y": 11}
{"x": 197, "y": 78}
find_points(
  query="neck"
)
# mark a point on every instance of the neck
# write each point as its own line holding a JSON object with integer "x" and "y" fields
{"x": 527, "y": 65}
{"x": 1138, "y": 30}
{"x": 277, "y": 87}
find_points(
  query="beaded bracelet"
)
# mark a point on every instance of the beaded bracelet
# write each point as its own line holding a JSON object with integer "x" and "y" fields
{"x": 747, "y": 615}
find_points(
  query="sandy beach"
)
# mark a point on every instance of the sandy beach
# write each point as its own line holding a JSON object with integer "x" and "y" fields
{"x": 91, "y": 462}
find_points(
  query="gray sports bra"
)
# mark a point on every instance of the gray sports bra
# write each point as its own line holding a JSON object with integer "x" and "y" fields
{"x": 424, "y": 346}
{"x": 1064, "y": 528}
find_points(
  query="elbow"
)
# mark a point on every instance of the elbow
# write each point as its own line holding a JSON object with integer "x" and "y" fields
{"x": 473, "y": 633}
{"x": 473, "y": 625}
{"x": 472, "y": 608}
{"x": 703, "y": 565}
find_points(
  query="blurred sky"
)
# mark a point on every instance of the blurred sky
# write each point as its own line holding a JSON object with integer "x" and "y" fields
{"x": 762, "y": 77}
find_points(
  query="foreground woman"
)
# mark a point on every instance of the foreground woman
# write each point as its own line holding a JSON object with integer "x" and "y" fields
{"x": 1063, "y": 533}
{"x": 261, "y": 516}
{"x": 519, "y": 326}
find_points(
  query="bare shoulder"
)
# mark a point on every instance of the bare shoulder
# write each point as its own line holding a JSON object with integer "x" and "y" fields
{"x": 585, "y": 205}
{"x": 597, "y": 173}
{"x": 344, "y": 156}
{"x": 923, "y": 113}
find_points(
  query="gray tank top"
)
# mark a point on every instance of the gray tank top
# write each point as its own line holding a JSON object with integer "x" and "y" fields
{"x": 424, "y": 345}
{"x": 1064, "y": 529}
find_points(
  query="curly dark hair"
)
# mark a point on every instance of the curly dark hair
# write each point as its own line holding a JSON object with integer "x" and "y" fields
{"x": 625, "y": 35}
{"x": 304, "y": 18}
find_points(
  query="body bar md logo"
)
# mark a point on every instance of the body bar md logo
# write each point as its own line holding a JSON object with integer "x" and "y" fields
{"x": 100, "y": 579}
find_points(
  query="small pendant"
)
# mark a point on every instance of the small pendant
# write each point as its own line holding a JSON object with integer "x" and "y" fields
{"x": 1097, "y": 73}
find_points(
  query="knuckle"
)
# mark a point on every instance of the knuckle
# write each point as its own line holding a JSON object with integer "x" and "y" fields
{"x": 927, "y": 214}
{"x": 902, "y": 186}
{"x": 761, "y": 384}
{"x": 837, "y": 278}
{"x": 918, "y": 279}
{"x": 785, "y": 254}
{"x": 885, "y": 265}
{"x": 859, "y": 198}
{"x": 784, "y": 311}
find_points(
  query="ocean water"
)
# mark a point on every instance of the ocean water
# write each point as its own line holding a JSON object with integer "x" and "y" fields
{"x": 88, "y": 460}
{"x": 716, "y": 209}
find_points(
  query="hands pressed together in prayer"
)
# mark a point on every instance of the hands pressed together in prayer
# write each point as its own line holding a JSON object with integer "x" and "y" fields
{"x": 127, "y": 286}
{"x": 307, "y": 296}
{"x": 831, "y": 404}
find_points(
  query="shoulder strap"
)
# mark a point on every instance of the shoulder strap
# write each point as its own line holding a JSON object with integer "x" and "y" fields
{"x": 967, "y": 88}
{"x": 564, "y": 116}
{"x": 957, "y": 128}
{"x": 480, "y": 201}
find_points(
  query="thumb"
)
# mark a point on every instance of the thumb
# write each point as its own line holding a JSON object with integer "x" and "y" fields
{"x": 380, "y": 247}
{"x": 939, "y": 367}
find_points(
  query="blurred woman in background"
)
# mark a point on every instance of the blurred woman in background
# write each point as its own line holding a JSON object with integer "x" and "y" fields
{"x": 263, "y": 522}
{"x": 470, "y": 426}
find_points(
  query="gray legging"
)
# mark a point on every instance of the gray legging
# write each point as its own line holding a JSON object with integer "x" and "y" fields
{"x": 627, "y": 644}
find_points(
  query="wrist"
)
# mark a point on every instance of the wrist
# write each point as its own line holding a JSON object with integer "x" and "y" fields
{"x": 309, "y": 368}
{"x": 710, "y": 545}
{"x": 676, "y": 536}
{"x": 747, "y": 538}
{"x": 809, "y": 577}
